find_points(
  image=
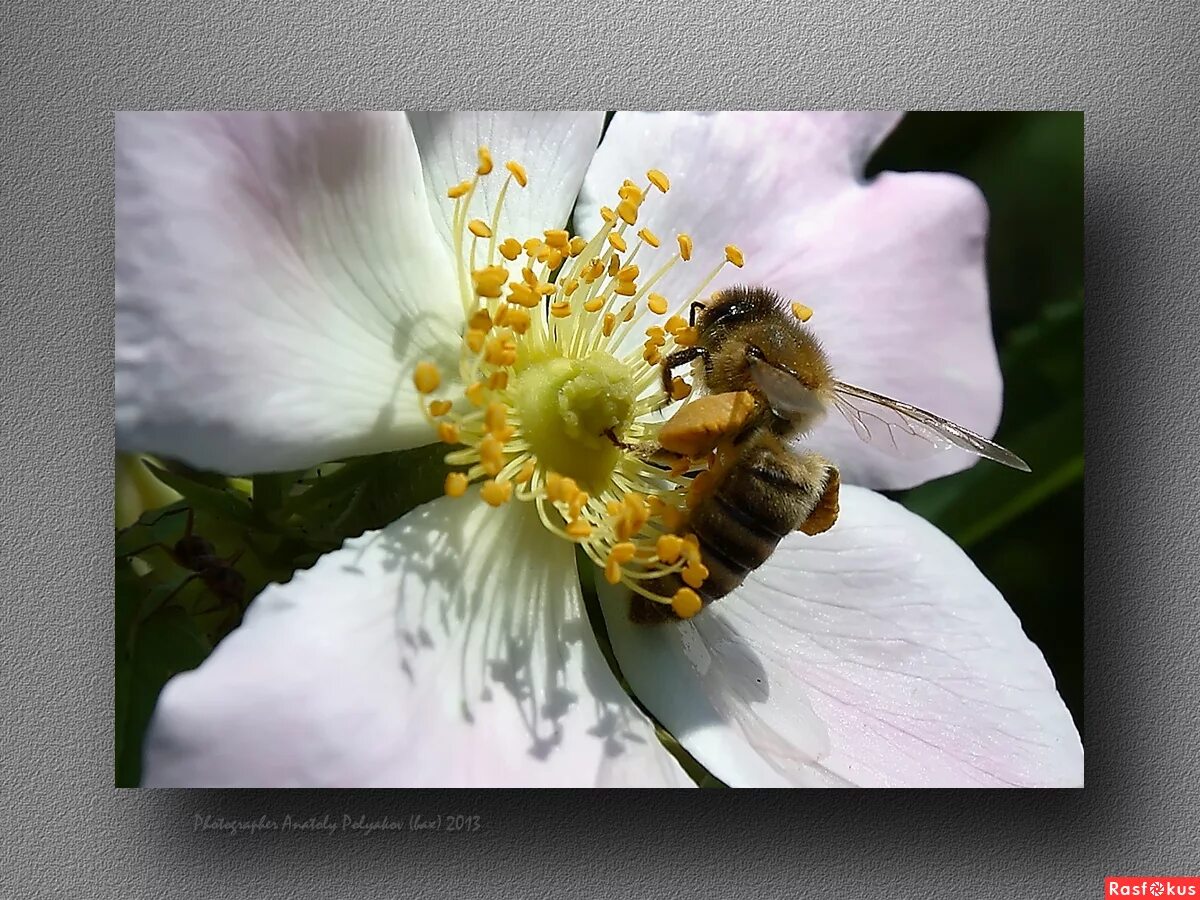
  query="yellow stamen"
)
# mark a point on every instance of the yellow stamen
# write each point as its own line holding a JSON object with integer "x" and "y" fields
{"x": 456, "y": 484}
{"x": 510, "y": 248}
{"x": 496, "y": 493}
{"x": 518, "y": 172}
{"x": 496, "y": 417}
{"x": 685, "y": 247}
{"x": 557, "y": 238}
{"x": 649, "y": 237}
{"x": 668, "y": 548}
{"x": 479, "y": 228}
{"x": 627, "y": 211}
{"x": 426, "y": 377}
{"x": 801, "y": 312}
{"x": 440, "y": 407}
{"x": 474, "y": 393}
{"x": 610, "y": 323}
{"x": 687, "y": 336}
{"x": 657, "y": 303}
{"x": 659, "y": 180}
{"x": 579, "y": 529}
{"x": 612, "y": 572}
{"x": 485, "y": 163}
{"x": 491, "y": 456}
{"x": 608, "y": 215}
{"x": 675, "y": 324}
{"x": 623, "y": 552}
{"x": 526, "y": 472}
{"x": 617, "y": 241}
{"x": 560, "y": 309}
{"x": 447, "y": 432}
{"x": 475, "y": 339}
{"x": 734, "y": 255}
{"x": 459, "y": 190}
{"x": 686, "y": 603}
{"x": 680, "y": 389}
{"x": 695, "y": 574}
{"x": 497, "y": 381}
{"x": 577, "y": 245}
{"x": 625, "y": 289}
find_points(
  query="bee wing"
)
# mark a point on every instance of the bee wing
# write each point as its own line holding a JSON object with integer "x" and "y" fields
{"x": 908, "y": 431}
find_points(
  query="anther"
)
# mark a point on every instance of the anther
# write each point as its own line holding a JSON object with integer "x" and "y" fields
{"x": 617, "y": 241}
{"x": 491, "y": 456}
{"x": 608, "y": 215}
{"x": 659, "y": 180}
{"x": 426, "y": 377}
{"x": 594, "y": 304}
{"x": 447, "y": 432}
{"x": 496, "y": 493}
{"x": 526, "y": 472}
{"x": 657, "y": 304}
{"x": 668, "y": 548}
{"x": 734, "y": 255}
{"x": 497, "y": 381}
{"x": 518, "y": 172}
{"x": 474, "y": 393}
{"x": 610, "y": 324}
{"x": 685, "y": 247}
{"x": 649, "y": 237}
{"x": 496, "y": 417}
{"x": 479, "y": 228}
{"x": 628, "y": 273}
{"x": 623, "y": 552}
{"x": 695, "y": 574}
{"x": 456, "y": 484}
{"x": 459, "y": 190}
{"x": 627, "y": 211}
{"x": 680, "y": 389}
{"x": 560, "y": 309}
{"x": 556, "y": 237}
{"x": 625, "y": 288}
{"x": 485, "y": 164}
{"x": 577, "y": 245}
{"x": 475, "y": 339}
{"x": 579, "y": 529}
{"x": 675, "y": 324}
{"x": 510, "y": 248}
{"x": 439, "y": 407}
{"x": 686, "y": 603}
{"x": 801, "y": 312}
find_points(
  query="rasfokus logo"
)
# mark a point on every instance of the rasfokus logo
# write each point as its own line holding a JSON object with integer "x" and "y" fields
{"x": 1151, "y": 886}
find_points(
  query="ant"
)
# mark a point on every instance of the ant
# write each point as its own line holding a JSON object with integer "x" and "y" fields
{"x": 197, "y": 554}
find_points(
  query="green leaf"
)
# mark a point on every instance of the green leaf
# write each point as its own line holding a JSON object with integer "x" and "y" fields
{"x": 166, "y": 644}
{"x": 221, "y": 502}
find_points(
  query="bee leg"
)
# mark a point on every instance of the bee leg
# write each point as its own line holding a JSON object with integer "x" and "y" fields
{"x": 674, "y": 361}
{"x": 825, "y": 513}
{"x": 696, "y": 304}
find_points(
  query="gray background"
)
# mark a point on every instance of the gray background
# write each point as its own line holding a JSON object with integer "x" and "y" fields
{"x": 67, "y": 832}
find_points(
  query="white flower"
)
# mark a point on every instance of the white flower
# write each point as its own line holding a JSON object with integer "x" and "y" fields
{"x": 280, "y": 278}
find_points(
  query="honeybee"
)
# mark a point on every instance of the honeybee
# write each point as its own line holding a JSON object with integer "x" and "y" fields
{"x": 767, "y": 383}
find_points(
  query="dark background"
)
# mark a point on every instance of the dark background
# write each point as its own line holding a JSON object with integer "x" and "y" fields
{"x": 1029, "y": 544}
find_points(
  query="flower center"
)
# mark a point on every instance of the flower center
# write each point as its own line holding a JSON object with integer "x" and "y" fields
{"x": 554, "y": 408}
{"x": 570, "y": 407}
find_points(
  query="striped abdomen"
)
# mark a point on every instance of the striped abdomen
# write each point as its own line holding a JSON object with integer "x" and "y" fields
{"x": 767, "y": 494}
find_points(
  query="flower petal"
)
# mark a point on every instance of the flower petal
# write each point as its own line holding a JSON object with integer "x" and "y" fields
{"x": 874, "y": 654}
{"x": 894, "y": 269}
{"x": 554, "y": 147}
{"x": 277, "y": 277}
{"x": 419, "y": 655}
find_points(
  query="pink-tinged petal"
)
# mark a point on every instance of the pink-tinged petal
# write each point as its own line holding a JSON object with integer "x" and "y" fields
{"x": 421, "y": 655}
{"x": 553, "y": 147}
{"x": 874, "y": 654}
{"x": 277, "y": 278}
{"x": 894, "y": 269}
